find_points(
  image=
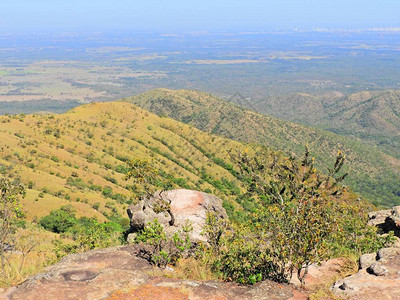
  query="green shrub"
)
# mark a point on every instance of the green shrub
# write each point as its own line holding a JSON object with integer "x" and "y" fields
{"x": 166, "y": 249}
{"x": 60, "y": 220}
{"x": 296, "y": 217}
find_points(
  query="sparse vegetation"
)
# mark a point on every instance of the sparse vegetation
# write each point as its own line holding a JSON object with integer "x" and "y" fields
{"x": 301, "y": 217}
{"x": 11, "y": 211}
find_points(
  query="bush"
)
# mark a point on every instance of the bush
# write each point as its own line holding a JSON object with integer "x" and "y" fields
{"x": 60, "y": 220}
{"x": 165, "y": 249}
{"x": 301, "y": 218}
{"x": 90, "y": 234}
{"x": 87, "y": 233}
{"x": 10, "y": 212}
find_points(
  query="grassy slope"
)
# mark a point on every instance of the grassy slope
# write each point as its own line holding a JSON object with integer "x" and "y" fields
{"x": 373, "y": 116}
{"x": 92, "y": 141}
{"x": 372, "y": 174}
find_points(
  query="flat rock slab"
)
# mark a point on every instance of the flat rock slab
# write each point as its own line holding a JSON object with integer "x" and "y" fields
{"x": 117, "y": 273}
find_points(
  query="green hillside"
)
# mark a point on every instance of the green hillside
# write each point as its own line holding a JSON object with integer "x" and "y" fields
{"x": 373, "y": 174}
{"x": 373, "y": 116}
{"x": 78, "y": 158}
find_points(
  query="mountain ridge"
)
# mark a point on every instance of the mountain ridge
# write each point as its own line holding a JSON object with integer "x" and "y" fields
{"x": 372, "y": 116}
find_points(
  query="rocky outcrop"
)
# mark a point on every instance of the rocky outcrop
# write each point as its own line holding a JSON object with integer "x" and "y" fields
{"x": 387, "y": 220}
{"x": 174, "y": 208}
{"x": 378, "y": 277}
{"x": 117, "y": 273}
{"x": 379, "y": 273}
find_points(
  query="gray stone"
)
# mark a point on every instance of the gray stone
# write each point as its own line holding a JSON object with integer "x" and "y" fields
{"x": 347, "y": 286}
{"x": 378, "y": 218}
{"x": 378, "y": 269}
{"x": 387, "y": 253}
{"x": 131, "y": 238}
{"x": 387, "y": 220}
{"x": 366, "y": 260}
{"x": 395, "y": 215}
{"x": 379, "y": 281}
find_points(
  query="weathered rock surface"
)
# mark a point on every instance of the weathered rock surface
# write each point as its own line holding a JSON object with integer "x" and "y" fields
{"x": 321, "y": 274}
{"x": 387, "y": 220}
{"x": 378, "y": 278}
{"x": 184, "y": 205}
{"x": 366, "y": 260}
{"x": 117, "y": 273}
{"x": 378, "y": 218}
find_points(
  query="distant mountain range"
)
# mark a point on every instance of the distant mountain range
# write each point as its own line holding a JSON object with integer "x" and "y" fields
{"x": 373, "y": 173}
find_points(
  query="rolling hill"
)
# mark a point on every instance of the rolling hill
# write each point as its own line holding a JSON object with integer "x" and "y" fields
{"x": 78, "y": 158}
{"x": 373, "y": 116}
{"x": 373, "y": 173}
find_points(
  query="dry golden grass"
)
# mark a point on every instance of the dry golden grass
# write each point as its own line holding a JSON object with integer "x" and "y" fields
{"x": 89, "y": 142}
{"x": 187, "y": 268}
{"x": 193, "y": 269}
{"x": 34, "y": 251}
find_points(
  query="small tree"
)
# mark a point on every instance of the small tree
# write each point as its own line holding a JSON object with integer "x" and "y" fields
{"x": 298, "y": 212}
{"x": 10, "y": 211}
{"x": 147, "y": 180}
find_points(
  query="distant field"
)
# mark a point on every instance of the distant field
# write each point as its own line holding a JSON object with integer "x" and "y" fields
{"x": 221, "y": 61}
{"x": 65, "y": 81}
{"x": 256, "y": 65}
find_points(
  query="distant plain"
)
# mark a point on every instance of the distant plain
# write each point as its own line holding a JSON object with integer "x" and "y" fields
{"x": 105, "y": 67}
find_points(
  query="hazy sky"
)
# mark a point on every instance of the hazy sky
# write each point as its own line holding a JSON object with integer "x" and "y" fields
{"x": 188, "y": 15}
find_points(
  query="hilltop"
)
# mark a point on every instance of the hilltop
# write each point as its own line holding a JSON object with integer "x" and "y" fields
{"x": 374, "y": 174}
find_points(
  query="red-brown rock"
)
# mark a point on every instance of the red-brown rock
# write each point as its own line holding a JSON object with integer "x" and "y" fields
{"x": 117, "y": 273}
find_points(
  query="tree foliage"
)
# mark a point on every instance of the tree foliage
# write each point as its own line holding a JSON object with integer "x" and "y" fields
{"x": 146, "y": 177}
{"x": 87, "y": 233}
{"x": 300, "y": 219}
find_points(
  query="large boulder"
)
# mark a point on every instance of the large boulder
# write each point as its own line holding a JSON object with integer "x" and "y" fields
{"x": 183, "y": 206}
{"x": 366, "y": 260}
{"x": 378, "y": 218}
{"x": 378, "y": 277}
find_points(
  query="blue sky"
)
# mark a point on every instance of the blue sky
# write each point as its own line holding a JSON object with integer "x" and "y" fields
{"x": 199, "y": 15}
